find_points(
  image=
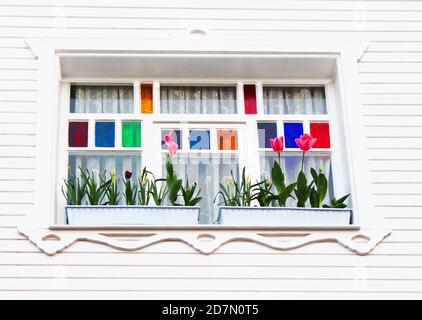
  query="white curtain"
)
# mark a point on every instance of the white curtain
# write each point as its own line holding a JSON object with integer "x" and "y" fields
{"x": 102, "y": 99}
{"x": 97, "y": 163}
{"x": 197, "y": 99}
{"x": 291, "y": 166}
{"x": 294, "y": 100}
{"x": 207, "y": 171}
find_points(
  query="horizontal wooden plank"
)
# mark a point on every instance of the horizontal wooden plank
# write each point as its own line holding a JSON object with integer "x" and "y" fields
{"x": 391, "y": 88}
{"x": 392, "y": 131}
{"x": 18, "y": 96}
{"x": 166, "y": 272}
{"x": 206, "y": 14}
{"x": 16, "y": 197}
{"x": 16, "y": 174}
{"x": 395, "y": 188}
{"x": 399, "y": 110}
{"x": 18, "y": 85}
{"x": 17, "y": 140}
{"x": 22, "y": 186}
{"x": 14, "y": 73}
{"x": 413, "y": 199}
{"x": 13, "y": 209}
{"x": 392, "y": 57}
{"x": 404, "y": 176}
{"x": 396, "y": 120}
{"x": 388, "y": 46}
{"x": 17, "y": 151}
{"x": 404, "y": 154}
{"x": 391, "y": 77}
{"x": 398, "y": 142}
{"x": 17, "y": 163}
{"x": 204, "y": 294}
{"x": 16, "y": 53}
{"x": 396, "y": 99}
{"x": 379, "y": 68}
{"x": 270, "y": 4}
{"x": 17, "y": 128}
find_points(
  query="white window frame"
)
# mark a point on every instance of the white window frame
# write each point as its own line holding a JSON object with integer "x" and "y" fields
{"x": 345, "y": 54}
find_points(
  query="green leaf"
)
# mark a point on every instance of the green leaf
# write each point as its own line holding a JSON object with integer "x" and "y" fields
{"x": 277, "y": 177}
{"x": 314, "y": 198}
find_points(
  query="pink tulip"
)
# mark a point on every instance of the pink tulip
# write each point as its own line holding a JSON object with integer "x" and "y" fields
{"x": 172, "y": 147}
{"x": 277, "y": 144}
{"x": 169, "y": 137}
{"x": 305, "y": 142}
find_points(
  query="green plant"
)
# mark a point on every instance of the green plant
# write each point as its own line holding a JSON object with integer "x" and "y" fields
{"x": 238, "y": 194}
{"x": 173, "y": 183}
{"x": 144, "y": 194}
{"x": 158, "y": 193}
{"x": 319, "y": 191}
{"x": 339, "y": 204}
{"x": 73, "y": 190}
{"x": 95, "y": 188}
{"x": 302, "y": 190}
{"x": 265, "y": 197}
{"x": 283, "y": 192}
{"x": 112, "y": 192}
{"x": 189, "y": 196}
{"x": 130, "y": 190}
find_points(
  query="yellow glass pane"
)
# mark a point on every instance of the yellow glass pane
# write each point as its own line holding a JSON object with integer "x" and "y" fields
{"x": 146, "y": 98}
{"x": 227, "y": 139}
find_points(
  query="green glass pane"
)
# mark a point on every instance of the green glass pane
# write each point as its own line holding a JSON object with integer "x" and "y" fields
{"x": 131, "y": 134}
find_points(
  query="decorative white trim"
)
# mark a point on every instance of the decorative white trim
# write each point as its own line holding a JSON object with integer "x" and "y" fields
{"x": 52, "y": 242}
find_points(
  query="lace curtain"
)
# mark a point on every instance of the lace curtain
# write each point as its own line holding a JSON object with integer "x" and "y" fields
{"x": 101, "y": 99}
{"x": 196, "y": 99}
{"x": 207, "y": 171}
{"x": 294, "y": 100}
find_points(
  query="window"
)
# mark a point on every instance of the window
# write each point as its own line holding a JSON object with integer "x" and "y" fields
{"x": 119, "y": 127}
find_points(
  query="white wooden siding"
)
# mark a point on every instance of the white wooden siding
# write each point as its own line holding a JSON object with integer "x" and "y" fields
{"x": 391, "y": 88}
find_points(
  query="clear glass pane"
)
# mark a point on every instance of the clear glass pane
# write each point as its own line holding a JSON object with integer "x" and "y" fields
{"x": 294, "y": 100}
{"x": 207, "y": 171}
{"x": 291, "y": 165}
{"x": 99, "y": 162}
{"x": 101, "y": 99}
{"x": 198, "y": 99}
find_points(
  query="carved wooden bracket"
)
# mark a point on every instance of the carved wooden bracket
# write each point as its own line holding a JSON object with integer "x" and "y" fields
{"x": 52, "y": 241}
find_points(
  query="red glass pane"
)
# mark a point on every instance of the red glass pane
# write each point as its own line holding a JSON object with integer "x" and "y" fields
{"x": 321, "y": 131}
{"x": 78, "y": 134}
{"x": 249, "y": 92}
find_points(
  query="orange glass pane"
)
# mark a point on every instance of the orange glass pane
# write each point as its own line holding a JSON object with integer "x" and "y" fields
{"x": 146, "y": 98}
{"x": 227, "y": 139}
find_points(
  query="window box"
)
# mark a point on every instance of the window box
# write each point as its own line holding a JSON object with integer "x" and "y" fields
{"x": 284, "y": 216}
{"x": 131, "y": 215}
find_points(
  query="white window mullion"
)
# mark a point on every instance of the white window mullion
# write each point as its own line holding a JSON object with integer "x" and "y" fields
{"x": 156, "y": 97}
{"x": 136, "y": 97}
{"x": 240, "y": 98}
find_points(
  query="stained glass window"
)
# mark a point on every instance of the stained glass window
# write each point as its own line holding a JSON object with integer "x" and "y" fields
{"x": 321, "y": 131}
{"x": 249, "y": 92}
{"x": 199, "y": 139}
{"x": 176, "y": 135}
{"x": 131, "y": 134}
{"x": 227, "y": 139}
{"x": 104, "y": 134}
{"x": 146, "y": 98}
{"x": 266, "y": 131}
{"x": 292, "y": 130}
{"x": 78, "y": 134}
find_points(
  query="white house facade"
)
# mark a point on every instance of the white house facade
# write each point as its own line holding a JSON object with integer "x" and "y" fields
{"x": 111, "y": 87}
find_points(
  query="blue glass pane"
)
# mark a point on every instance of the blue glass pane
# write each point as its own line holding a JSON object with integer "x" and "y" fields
{"x": 176, "y": 135}
{"x": 199, "y": 139}
{"x": 266, "y": 131}
{"x": 104, "y": 134}
{"x": 291, "y": 132}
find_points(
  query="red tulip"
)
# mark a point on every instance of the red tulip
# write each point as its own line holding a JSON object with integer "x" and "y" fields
{"x": 277, "y": 144}
{"x": 305, "y": 142}
{"x": 128, "y": 174}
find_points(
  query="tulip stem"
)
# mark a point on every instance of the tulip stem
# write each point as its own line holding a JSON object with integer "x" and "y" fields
{"x": 279, "y": 159}
{"x": 303, "y": 160}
